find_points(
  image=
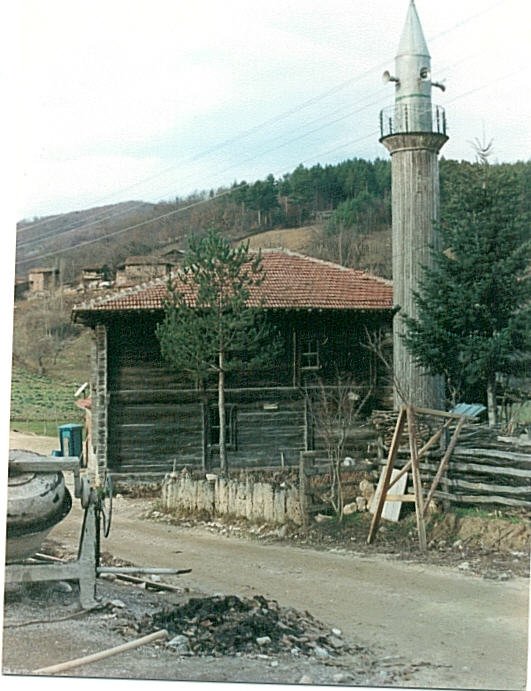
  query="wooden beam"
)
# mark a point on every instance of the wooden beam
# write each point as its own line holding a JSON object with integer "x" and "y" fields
{"x": 444, "y": 463}
{"x": 441, "y": 413}
{"x": 417, "y": 484}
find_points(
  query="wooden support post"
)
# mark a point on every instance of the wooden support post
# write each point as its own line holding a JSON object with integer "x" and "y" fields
{"x": 393, "y": 451}
{"x": 444, "y": 462}
{"x": 415, "y": 472}
{"x": 303, "y": 490}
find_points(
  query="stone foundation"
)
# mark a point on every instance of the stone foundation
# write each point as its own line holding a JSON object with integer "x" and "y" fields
{"x": 255, "y": 501}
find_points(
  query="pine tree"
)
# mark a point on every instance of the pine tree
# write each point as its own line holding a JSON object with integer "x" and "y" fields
{"x": 473, "y": 305}
{"x": 209, "y": 329}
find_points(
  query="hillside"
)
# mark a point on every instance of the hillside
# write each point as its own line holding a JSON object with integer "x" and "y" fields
{"x": 348, "y": 206}
{"x": 106, "y": 235}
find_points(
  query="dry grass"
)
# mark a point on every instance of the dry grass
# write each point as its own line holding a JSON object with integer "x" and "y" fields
{"x": 295, "y": 239}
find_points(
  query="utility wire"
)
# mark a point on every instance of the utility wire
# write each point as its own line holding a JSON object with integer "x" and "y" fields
{"x": 229, "y": 191}
{"x": 83, "y": 226}
{"x": 277, "y": 118}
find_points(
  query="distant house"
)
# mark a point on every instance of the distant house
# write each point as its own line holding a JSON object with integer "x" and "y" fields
{"x": 92, "y": 277}
{"x": 43, "y": 280}
{"x": 146, "y": 417}
{"x": 21, "y": 287}
{"x": 136, "y": 270}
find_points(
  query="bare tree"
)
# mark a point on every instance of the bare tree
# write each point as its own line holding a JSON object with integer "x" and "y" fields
{"x": 335, "y": 410}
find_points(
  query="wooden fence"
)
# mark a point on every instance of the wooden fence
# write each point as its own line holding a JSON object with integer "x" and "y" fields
{"x": 484, "y": 468}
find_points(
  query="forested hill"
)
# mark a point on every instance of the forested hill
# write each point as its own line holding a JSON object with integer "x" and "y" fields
{"x": 349, "y": 202}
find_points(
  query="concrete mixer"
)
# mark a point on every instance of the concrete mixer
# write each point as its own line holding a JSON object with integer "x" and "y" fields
{"x": 38, "y": 499}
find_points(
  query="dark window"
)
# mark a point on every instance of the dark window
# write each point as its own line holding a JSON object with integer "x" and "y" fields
{"x": 230, "y": 426}
{"x": 310, "y": 354}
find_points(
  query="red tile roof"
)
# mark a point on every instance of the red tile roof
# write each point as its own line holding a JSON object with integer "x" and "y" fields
{"x": 291, "y": 281}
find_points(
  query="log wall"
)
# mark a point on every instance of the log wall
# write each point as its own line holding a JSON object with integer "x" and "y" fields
{"x": 155, "y": 422}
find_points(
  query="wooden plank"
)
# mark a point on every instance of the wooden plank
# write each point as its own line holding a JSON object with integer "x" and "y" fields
{"x": 457, "y": 466}
{"x": 396, "y": 488}
{"x": 497, "y": 455}
{"x": 482, "y": 487}
{"x": 483, "y": 499}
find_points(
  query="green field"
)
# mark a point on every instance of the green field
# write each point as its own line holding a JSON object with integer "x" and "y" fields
{"x": 39, "y": 404}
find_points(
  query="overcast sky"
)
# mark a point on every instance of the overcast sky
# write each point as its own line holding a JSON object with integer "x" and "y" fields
{"x": 152, "y": 100}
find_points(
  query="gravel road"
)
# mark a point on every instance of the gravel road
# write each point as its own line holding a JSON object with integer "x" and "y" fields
{"x": 459, "y": 630}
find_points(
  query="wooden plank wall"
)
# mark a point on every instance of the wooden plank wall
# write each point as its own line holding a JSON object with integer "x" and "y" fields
{"x": 155, "y": 420}
{"x": 155, "y": 424}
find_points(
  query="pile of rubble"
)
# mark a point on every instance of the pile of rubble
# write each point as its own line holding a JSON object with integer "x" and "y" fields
{"x": 228, "y": 625}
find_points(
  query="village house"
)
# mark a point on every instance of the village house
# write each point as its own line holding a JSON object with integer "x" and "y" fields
{"x": 21, "y": 288}
{"x": 136, "y": 270}
{"x": 93, "y": 276}
{"x": 43, "y": 280}
{"x": 148, "y": 418}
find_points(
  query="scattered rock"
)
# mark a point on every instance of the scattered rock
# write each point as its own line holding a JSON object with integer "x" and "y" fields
{"x": 350, "y": 508}
{"x": 342, "y": 678}
{"x": 321, "y": 518}
{"x": 464, "y": 566}
{"x": 282, "y": 531}
{"x": 120, "y": 604}
{"x": 321, "y": 652}
{"x": 306, "y": 679}
{"x": 263, "y": 640}
{"x": 180, "y": 643}
{"x": 496, "y": 576}
{"x": 361, "y": 503}
{"x": 63, "y": 587}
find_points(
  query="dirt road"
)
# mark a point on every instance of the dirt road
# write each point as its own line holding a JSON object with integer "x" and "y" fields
{"x": 472, "y": 631}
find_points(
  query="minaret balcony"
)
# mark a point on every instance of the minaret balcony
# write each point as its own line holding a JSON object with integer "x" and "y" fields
{"x": 408, "y": 118}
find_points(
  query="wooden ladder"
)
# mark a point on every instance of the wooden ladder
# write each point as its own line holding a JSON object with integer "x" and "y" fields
{"x": 409, "y": 413}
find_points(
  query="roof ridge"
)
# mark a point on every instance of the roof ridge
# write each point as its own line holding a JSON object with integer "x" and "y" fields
{"x": 126, "y": 291}
{"x": 326, "y": 262}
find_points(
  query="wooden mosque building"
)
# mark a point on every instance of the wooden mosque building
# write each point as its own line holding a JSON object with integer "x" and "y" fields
{"x": 148, "y": 418}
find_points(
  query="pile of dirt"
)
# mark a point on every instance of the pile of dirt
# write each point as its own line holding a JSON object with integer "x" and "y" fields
{"x": 228, "y": 625}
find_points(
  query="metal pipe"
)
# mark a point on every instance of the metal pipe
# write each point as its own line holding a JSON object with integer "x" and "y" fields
{"x": 78, "y": 662}
{"x": 137, "y": 569}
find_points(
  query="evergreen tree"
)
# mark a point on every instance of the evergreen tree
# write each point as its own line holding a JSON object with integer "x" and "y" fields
{"x": 473, "y": 305}
{"x": 208, "y": 327}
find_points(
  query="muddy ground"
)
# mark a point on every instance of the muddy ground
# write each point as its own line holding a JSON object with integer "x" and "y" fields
{"x": 454, "y": 618}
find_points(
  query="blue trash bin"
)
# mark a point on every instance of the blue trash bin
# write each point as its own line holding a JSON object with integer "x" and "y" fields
{"x": 71, "y": 439}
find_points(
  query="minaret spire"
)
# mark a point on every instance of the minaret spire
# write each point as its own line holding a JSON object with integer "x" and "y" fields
{"x": 412, "y": 41}
{"x": 413, "y": 132}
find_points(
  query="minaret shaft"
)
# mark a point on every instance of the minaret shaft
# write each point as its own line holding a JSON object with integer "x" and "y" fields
{"x": 415, "y": 207}
{"x": 414, "y": 147}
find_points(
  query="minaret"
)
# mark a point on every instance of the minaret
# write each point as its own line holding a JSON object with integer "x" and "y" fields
{"x": 413, "y": 132}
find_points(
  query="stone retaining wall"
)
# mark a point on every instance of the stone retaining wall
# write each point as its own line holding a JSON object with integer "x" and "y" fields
{"x": 255, "y": 501}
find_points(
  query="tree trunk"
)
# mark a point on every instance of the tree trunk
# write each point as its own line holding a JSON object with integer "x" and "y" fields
{"x": 221, "y": 409}
{"x": 491, "y": 401}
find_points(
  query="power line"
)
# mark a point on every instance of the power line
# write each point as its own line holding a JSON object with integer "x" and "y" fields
{"x": 229, "y": 191}
{"x": 54, "y": 234}
{"x": 275, "y": 119}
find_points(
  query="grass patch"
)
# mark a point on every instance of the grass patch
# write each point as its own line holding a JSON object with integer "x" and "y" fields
{"x": 486, "y": 514}
{"x": 40, "y": 404}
